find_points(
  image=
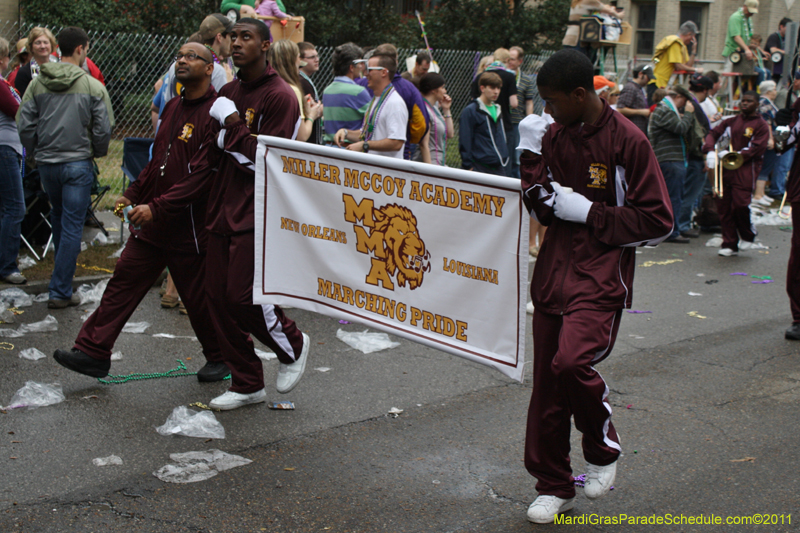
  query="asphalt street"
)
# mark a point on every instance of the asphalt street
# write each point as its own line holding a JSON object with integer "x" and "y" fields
{"x": 705, "y": 407}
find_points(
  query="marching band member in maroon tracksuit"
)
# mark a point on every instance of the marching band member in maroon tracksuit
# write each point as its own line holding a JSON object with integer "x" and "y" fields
{"x": 748, "y": 134}
{"x": 793, "y": 197}
{"x": 584, "y": 273}
{"x": 257, "y": 102}
{"x": 175, "y": 239}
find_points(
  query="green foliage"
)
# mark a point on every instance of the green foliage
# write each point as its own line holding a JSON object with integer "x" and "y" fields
{"x": 136, "y": 16}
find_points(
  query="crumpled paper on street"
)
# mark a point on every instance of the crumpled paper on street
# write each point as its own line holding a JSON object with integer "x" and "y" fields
{"x": 15, "y": 297}
{"x": 136, "y": 327}
{"x": 192, "y": 467}
{"x": 6, "y": 316}
{"x": 35, "y": 394}
{"x": 99, "y": 239}
{"x": 366, "y": 341}
{"x": 41, "y": 297}
{"x": 770, "y": 217}
{"x": 116, "y": 356}
{"x": 32, "y": 354}
{"x": 714, "y": 242}
{"x": 189, "y": 423}
{"x": 48, "y": 324}
{"x": 25, "y": 261}
{"x": 92, "y": 293}
{"x": 111, "y": 460}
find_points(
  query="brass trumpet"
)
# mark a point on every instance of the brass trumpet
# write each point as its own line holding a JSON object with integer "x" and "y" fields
{"x": 732, "y": 160}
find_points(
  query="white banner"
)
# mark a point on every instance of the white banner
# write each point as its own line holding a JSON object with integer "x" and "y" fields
{"x": 433, "y": 254}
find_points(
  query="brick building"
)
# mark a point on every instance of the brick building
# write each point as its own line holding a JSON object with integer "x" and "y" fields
{"x": 9, "y": 10}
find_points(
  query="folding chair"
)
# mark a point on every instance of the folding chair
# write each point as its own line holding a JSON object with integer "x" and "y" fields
{"x": 35, "y": 227}
{"x": 135, "y": 156}
{"x": 98, "y": 192}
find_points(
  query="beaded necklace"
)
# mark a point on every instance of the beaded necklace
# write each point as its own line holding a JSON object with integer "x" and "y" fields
{"x": 371, "y": 118}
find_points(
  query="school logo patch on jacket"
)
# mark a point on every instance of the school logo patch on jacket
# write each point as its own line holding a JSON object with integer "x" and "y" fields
{"x": 249, "y": 116}
{"x": 748, "y": 132}
{"x": 186, "y": 132}
{"x": 598, "y": 174}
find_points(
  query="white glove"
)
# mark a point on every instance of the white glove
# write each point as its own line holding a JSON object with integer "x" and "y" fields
{"x": 711, "y": 159}
{"x": 782, "y": 129}
{"x": 531, "y": 131}
{"x": 570, "y": 206}
{"x": 222, "y": 109}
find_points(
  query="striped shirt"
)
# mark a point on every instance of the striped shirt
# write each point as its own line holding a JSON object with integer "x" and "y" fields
{"x": 345, "y": 103}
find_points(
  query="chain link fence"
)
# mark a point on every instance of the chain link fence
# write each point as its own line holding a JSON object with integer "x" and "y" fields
{"x": 133, "y": 63}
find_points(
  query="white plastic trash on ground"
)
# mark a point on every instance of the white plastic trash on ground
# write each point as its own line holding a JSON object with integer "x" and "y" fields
{"x": 25, "y": 261}
{"x": 32, "y": 353}
{"x": 48, "y": 324}
{"x": 6, "y": 316}
{"x": 136, "y": 327}
{"x": 92, "y": 293}
{"x": 111, "y": 460}
{"x": 198, "y": 466}
{"x": 190, "y": 423}
{"x": 714, "y": 242}
{"x": 116, "y": 356}
{"x": 100, "y": 239}
{"x": 366, "y": 341}
{"x": 15, "y": 297}
{"x": 35, "y": 394}
{"x": 118, "y": 253}
{"x": 770, "y": 217}
{"x": 41, "y": 297}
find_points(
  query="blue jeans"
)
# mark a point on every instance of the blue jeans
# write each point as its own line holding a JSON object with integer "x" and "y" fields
{"x": 513, "y": 142}
{"x": 692, "y": 190}
{"x": 12, "y": 209}
{"x": 69, "y": 186}
{"x": 778, "y": 182}
{"x": 674, "y": 175}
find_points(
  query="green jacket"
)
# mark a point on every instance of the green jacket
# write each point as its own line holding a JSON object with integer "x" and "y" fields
{"x": 65, "y": 115}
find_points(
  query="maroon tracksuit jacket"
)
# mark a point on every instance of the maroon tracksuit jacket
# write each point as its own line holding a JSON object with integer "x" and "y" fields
{"x": 793, "y": 197}
{"x": 582, "y": 281}
{"x": 749, "y": 136}
{"x": 176, "y": 238}
{"x": 267, "y": 106}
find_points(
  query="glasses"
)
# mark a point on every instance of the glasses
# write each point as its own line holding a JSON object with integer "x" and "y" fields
{"x": 191, "y": 56}
{"x": 357, "y": 61}
{"x": 377, "y": 68}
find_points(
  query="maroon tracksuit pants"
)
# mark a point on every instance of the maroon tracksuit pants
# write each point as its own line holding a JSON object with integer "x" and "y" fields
{"x": 229, "y": 282}
{"x": 734, "y": 215}
{"x": 565, "y": 384}
{"x": 137, "y": 270}
{"x": 793, "y": 271}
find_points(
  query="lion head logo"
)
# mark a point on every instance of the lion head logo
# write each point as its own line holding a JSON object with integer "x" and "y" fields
{"x": 186, "y": 132}
{"x": 403, "y": 248}
{"x": 390, "y": 236}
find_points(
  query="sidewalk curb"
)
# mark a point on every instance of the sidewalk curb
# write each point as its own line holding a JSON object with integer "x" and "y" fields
{"x": 38, "y": 287}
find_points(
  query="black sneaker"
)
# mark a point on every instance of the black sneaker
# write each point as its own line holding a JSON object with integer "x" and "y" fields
{"x": 54, "y": 303}
{"x": 79, "y": 362}
{"x": 793, "y": 333}
{"x": 213, "y": 372}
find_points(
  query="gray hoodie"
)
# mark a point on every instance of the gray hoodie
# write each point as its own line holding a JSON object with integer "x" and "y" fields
{"x": 65, "y": 115}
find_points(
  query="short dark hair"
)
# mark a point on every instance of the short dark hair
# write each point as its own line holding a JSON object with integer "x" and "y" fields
{"x": 784, "y": 21}
{"x": 261, "y": 28}
{"x": 490, "y": 79}
{"x": 305, "y": 46}
{"x": 71, "y": 38}
{"x": 423, "y": 56}
{"x": 388, "y": 62}
{"x": 754, "y": 94}
{"x": 712, "y": 75}
{"x": 386, "y": 48}
{"x": 343, "y": 57}
{"x": 565, "y": 71}
{"x": 430, "y": 82}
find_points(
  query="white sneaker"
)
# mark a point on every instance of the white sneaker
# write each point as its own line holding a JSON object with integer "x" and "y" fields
{"x": 744, "y": 245}
{"x": 529, "y": 308}
{"x": 232, "y": 400}
{"x": 726, "y": 252}
{"x": 766, "y": 201}
{"x": 544, "y": 509}
{"x": 599, "y": 480}
{"x": 289, "y": 375}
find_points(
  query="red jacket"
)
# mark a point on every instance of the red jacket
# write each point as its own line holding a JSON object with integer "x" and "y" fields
{"x": 749, "y": 136}
{"x": 793, "y": 181}
{"x": 185, "y": 125}
{"x": 267, "y": 106}
{"x": 591, "y": 266}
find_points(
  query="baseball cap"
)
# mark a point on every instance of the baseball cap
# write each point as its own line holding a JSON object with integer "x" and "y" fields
{"x": 214, "y": 24}
{"x": 601, "y": 83}
{"x": 752, "y": 6}
{"x": 647, "y": 69}
{"x": 682, "y": 91}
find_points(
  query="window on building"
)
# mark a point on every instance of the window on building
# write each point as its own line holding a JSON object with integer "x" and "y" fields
{"x": 694, "y": 11}
{"x": 645, "y": 28}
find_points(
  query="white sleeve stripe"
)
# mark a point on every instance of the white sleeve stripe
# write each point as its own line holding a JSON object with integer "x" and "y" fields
{"x": 242, "y": 160}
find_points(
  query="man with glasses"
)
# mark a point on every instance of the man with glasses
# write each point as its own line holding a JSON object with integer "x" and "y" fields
{"x": 309, "y": 64}
{"x": 383, "y": 129}
{"x": 162, "y": 236}
{"x": 344, "y": 100}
